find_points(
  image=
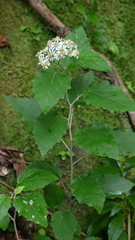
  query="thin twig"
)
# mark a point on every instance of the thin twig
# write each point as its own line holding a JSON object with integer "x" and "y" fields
{"x": 65, "y": 144}
{"x": 64, "y": 186}
{"x": 7, "y": 185}
{"x": 15, "y": 227}
{"x": 80, "y": 159}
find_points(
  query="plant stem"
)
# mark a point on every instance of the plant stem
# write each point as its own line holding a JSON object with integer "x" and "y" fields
{"x": 70, "y": 118}
{"x": 129, "y": 226}
{"x": 65, "y": 145}
{"x": 78, "y": 160}
{"x": 13, "y": 219}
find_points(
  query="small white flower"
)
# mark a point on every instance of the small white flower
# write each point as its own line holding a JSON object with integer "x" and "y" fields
{"x": 31, "y": 202}
{"x": 56, "y": 49}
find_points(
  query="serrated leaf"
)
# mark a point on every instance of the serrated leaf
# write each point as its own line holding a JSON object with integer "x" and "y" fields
{"x": 114, "y": 186}
{"x": 5, "y": 204}
{"x": 64, "y": 225}
{"x": 4, "y": 223}
{"x": 115, "y": 228}
{"x": 50, "y": 86}
{"x": 34, "y": 178}
{"x": 103, "y": 94}
{"x": 54, "y": 196}
{"x": 28, "y": 109}
{"x": 79, "y": 37}
{"x": 79, "y": 84}
{"x": 87, "y": 190}
{"x": 48, "y": 130}
{"x": 33, "y": 207}
{"x": 125, "y": 141}
{"x": 97, "y": 140}
{"x": 92, "y": 60}
{"x": 48, "y": 166}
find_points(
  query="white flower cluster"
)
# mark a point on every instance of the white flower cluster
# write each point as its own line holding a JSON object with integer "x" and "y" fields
{"x": 56, "y": 49}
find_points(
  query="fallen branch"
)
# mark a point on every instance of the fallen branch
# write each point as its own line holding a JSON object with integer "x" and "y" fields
{"x": 56, "y": 25}
{"x": 61, "y": 30}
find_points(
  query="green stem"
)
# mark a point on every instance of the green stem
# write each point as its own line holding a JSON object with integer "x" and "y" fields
{"x": 70, "y": 118}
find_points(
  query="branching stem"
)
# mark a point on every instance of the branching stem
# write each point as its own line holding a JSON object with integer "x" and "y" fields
{"x": 70, "y": 120}
{"x": 78, "y": 160}
{"x": 14, "y": 221}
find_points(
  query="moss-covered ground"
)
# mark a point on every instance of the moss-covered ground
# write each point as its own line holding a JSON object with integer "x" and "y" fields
{"x": 28, "y": 32}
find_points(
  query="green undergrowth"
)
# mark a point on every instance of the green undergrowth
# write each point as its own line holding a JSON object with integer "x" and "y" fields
{"x": 28, "y": 32}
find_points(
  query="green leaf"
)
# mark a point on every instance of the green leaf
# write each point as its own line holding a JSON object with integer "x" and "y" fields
{"x": 18, "y": 189}
{"x": 50, "y": 86}
{"x": 34, "y": 178}
{"x": 130, "y": 163}
{"x": 64, "y": 225}
{"x": 114, "y": 186}
{"x": 125, "y": 141}
{"x": 87, "y": 190}
{"x": 92, "y": 60}
{"x": 113, "y": 164}
{"x": 81, "y": 9}
{"x": 79, "y": 84}
{"x": 116, "y": 208}
{"x": 48, "y": 130}
{"x": 41, "y": 238}
{"x": 123, "y": 236}
{"x": 5, "y": 204}
{"x": 93, "y": 8}
{"x": 94, "y": 19}
{"x": 4, "y": 223}
{"x": 131, "y": 199}
{"x": 96, "y": 172}
{"x": 97, "y": 140}
{"x": 28, "y": 109}
{"x": 92, "y": 238}
{"x": 97, "y": 223}
{"x": 33, "y": 207}
{"x": 103, "y": 94}
{"x": 115, "y": 228}
{"x": 48, "y": 166}
{"x": 79, "y": 37}
{"x": 54, "y": 196}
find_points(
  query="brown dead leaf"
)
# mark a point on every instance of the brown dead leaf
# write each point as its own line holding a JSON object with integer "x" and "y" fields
{"x": 11, "y": 157}
{"x": 3, "y": 42}
{"x": 4, "y": 171}
{"x": 19, "y": 166}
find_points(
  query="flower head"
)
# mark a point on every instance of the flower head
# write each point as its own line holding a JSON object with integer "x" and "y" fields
{"x": 56, "y": 49}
